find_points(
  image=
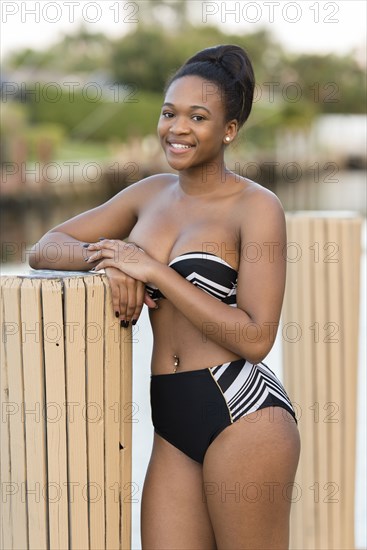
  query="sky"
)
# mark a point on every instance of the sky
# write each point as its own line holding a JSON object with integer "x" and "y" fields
{"x": 302, "y": 26}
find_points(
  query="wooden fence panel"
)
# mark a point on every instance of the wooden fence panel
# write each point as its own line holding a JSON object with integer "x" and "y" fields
{"x": 65, "y": 443}
{"x": 320, "y": 372}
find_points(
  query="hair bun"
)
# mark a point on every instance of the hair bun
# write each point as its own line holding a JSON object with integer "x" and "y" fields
{"x": 228, "y": 56}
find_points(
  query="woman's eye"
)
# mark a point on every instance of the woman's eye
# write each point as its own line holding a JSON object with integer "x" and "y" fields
{"x": 198, "y": 118}
{"x": 166, "y": 114}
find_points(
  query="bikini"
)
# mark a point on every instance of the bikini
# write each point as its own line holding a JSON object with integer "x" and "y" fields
{"x": 191, "y": 408}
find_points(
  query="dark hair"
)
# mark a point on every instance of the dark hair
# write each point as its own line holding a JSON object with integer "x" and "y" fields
{"x": 230, "y": 68}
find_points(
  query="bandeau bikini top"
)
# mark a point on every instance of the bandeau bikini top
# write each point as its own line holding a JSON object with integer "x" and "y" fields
{"x": 206, "y": 271}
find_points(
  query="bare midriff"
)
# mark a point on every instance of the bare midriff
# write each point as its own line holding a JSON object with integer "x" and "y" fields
{"x": 179, "y": 346}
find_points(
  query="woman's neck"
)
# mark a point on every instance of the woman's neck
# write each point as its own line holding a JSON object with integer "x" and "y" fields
{"x": 204, "y": 179}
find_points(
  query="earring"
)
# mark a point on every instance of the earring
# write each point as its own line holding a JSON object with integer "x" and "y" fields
{"x": 227, "y": 139}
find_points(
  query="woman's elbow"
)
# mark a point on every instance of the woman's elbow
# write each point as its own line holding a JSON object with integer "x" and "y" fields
{"x": 259, "y": 340}
{"x": 256, "y": 352}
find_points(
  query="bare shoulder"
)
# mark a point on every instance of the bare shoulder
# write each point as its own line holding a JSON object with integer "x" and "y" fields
{"x": 259, "y": 204}
{"x": 259, "y": 214}
{"x": 150, "y": 185}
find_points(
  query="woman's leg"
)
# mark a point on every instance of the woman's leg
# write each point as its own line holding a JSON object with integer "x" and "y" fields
{"x": 248, "y": 475}
{"x": 174, "y": 514}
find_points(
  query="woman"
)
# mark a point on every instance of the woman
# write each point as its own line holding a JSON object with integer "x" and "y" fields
{"x": 226, "y": 444}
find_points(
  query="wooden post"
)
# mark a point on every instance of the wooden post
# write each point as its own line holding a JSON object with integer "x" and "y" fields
{"x": 66, "y": 433}
{"x": 320, "y": 344}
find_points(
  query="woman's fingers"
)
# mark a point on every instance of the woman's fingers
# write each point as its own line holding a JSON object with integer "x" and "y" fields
{"x": 101, "y": 253}
{"x": 149, "y": 301}
{"x": 140, "y": 290}
{"x": 127, "y": 295}
{"x": 130, "y": 304}
{"x": 115, "y": 293}
{"x": 123, "y": 302}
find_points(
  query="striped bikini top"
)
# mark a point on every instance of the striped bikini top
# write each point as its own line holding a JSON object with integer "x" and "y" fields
{"x": 206, "y": 271}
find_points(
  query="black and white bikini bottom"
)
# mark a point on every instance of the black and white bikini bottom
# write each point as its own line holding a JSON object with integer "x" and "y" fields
{"x": 191, "y": 408}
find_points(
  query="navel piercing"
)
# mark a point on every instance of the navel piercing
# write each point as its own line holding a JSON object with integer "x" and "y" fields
{"x": 176, "y": 363}
{"x": 227, "y": 138}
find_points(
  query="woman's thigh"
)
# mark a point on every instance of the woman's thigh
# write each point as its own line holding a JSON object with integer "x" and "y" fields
{"x": 174, "y": 514}
{"x": 248, "y": 475}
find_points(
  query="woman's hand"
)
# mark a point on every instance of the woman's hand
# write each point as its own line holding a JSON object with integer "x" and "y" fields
{"x": 128, "y": 296}
{"x": 127, "y": 257}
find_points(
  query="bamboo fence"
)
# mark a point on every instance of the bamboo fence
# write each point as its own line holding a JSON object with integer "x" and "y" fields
{"x": 320, "y": 324}
{"x": 66, "y": 414}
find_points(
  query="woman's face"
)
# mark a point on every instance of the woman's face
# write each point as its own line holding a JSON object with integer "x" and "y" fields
{"x": 192, "y": 123}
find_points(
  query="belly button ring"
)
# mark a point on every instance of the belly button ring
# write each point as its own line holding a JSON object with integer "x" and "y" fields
{"x": 176, "y": 363}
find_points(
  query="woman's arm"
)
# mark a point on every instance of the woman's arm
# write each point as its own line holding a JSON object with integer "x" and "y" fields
{"x": 250, "y": 329}
{"x": 61, "y": 247}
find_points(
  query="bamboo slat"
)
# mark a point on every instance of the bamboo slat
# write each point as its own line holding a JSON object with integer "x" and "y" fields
{"x": 34, "y": 407}
{"x": 95, "y": 412}
{"x": 290, "y": 332}
{"x": 350, "y": 239}
{"x": 15, "y": 403}
{"x": 5, "y": 473}
{"x": 112, "y": 421}
{"x": 307, "y": 386}
{"x": 322, "y": 295}
{"x": 322, "y": 387}
{"x": 56, "y": 412}
{"x": 74, "y": 308}
{"x": 334, "y": 415}
{"x": 127, "y": 411}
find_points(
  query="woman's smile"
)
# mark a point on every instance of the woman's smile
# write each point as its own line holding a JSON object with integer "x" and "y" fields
{"x": 179, "y": 147}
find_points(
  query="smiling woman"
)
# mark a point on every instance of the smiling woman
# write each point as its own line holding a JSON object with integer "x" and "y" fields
{"x": 221, "y": 417}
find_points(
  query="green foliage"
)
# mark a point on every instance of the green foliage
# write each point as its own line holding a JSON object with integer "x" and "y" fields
{"x": 46, "y": 137}
{"x": 336, "y": 84}
{"x": 101, "y": 120}
{"x": 79, "y": 52}
{"x": 147, "y": 57}
{"x": 144, "y": 60}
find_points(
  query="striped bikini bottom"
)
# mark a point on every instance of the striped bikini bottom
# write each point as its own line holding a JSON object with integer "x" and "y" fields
{"x": 191, "y": 408}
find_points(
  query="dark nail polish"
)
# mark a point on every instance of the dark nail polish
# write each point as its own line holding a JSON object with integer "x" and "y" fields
{"x": 134, "y": 321}
{"x": 102, "y": 238}
{"x": 124, "y": 324}
{"x": 86, "y": 259}
{"x": 117, "y": 314}
{"x": 85, "y": 245}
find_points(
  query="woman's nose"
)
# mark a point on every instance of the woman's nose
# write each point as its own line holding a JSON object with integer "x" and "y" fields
{"x": 179, "y": 126}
